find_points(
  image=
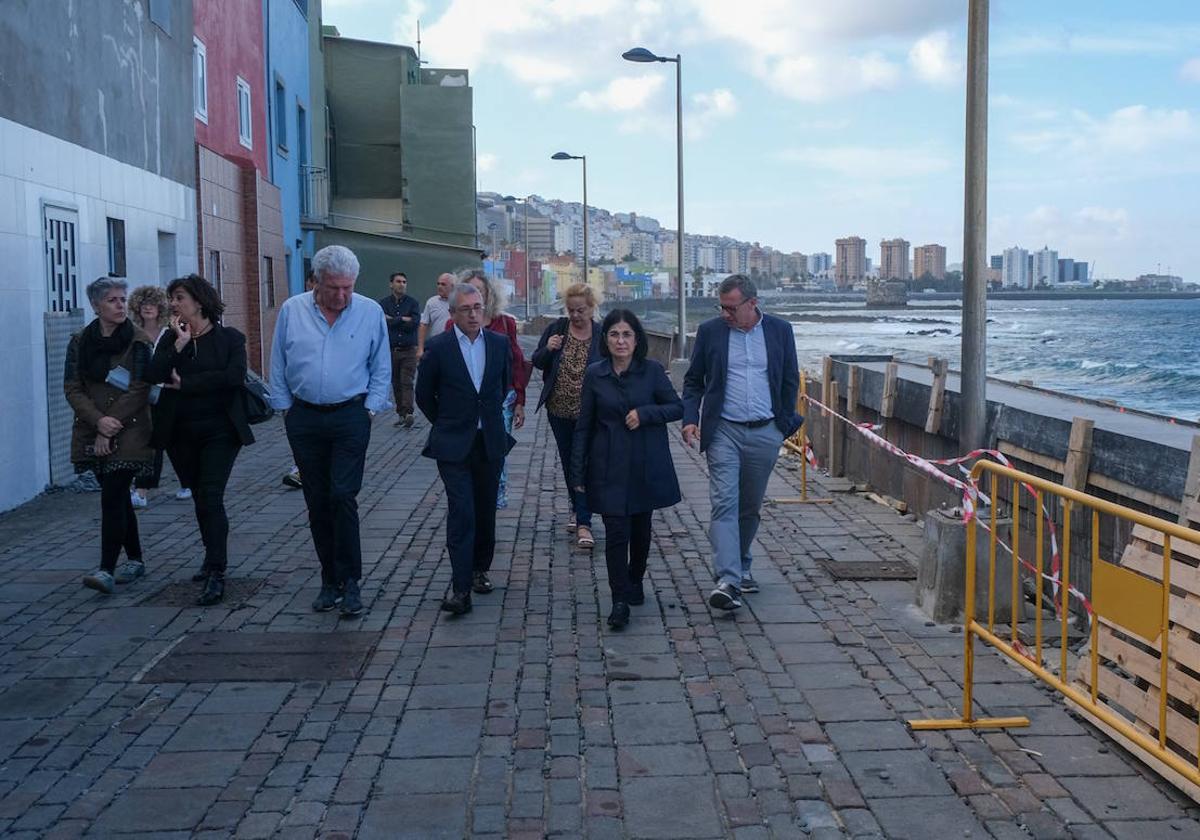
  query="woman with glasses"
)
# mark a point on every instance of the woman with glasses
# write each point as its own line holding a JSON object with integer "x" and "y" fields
{"x": 202, "y": 416}
{"x": 621, "y": 456}
{"x": 563, "y": 354}
{"x": 105, "y": 382}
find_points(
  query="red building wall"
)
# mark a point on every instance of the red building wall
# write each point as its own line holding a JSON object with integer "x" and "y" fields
{"x": 232, "y": 34}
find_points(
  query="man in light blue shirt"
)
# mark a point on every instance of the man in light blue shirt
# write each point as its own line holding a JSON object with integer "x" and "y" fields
{"x": 331, "y": 371}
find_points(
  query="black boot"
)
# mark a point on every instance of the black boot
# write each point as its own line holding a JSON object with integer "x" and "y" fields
{"x": 619, "y": 616}
{"x": 201, "y": 576}
{"x": 214, "y": 590}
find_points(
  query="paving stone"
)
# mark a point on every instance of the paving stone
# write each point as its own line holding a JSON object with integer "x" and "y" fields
{"x": 846, "y": 704}
{"x": 140, "y": 809}
{"x": 440, "y": 732}
{"x": 662, "y": 760}
{"x": 653, "y": 723}
{"x": 204, "y": 733}
{"x": 1122, "y": 798}
{"x": 419, "y": 816}
{"x": 869, "y": 735}
{"x": 670, "y": 808}
{"x": 925, "y": 817}
{"x": 1075, "y": 756}
{"x": 907, "y": 773}
{"x": 190, "y": 769}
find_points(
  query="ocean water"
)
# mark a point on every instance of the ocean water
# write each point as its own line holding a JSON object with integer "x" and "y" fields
{"x": 1143, "y": 354}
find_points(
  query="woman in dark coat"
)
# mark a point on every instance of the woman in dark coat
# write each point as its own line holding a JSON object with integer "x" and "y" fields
{"x": 563, "y": 354}
{"x": 621, "y": 456}
{"x": 105, "y": 383}
{"x": 201, "y": 416}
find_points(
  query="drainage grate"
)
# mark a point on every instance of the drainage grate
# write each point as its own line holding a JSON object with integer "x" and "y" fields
{"x": 183, "y": 593}
{"x": 265, "y": 657}
{"x": 869, "y": 569}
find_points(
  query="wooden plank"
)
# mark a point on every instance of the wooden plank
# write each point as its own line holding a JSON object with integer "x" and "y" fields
{"x": 937, "y": 395}
{"x": 827, "y": 381}
{"x": 1143, "y": 704}
{"x": 1179, "y": 548}
{"x": 1079, "y": 453}
{"x": 1180, "y": 685}
{"x": 891, "y": 374}
{"x": 1191, "y": 487}
{"x": 1139, "y": 557}
{"x": 1183, "y": 646}
{"x": 853, "y": 383}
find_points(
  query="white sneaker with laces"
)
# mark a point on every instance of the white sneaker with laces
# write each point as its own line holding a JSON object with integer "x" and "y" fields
{"x": 99, "y": 580}
{"x": 183, "y": 493}
{"x": 137, "y": 499}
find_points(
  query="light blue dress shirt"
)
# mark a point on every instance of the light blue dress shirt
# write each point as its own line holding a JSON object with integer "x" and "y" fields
{"x": 474, "y": 353}
{"x": 747, "y": 388}
{"x": 323, "y": 364}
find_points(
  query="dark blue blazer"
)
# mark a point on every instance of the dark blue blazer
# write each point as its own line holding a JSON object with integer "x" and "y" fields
{"x": 704, "y": 382}
{"x": 547, "y": 360}
{"x": 447, "y": 397}
{"x": 625, "y": 472}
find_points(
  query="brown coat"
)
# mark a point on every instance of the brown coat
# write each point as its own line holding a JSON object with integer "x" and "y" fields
{"x": 93, "y": 400}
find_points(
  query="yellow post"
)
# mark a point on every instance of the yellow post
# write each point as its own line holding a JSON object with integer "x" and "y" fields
{"x": 1095, "y": 652}
{"x": 1016, "y": 552}
{"x": 1164, "y": 669}
{"x": 992, "y": 566}
{"x": 803, "y": 439}
{"x": 1040, "y": 532}
{"x": 1066, "y": 584}
{"x": 968, "y": 711}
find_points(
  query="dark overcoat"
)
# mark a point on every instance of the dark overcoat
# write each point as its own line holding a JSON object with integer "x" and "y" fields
{"x": 93, "y": 400}
{"x": 455, "y": 410}
{"x": 626, "y": 471}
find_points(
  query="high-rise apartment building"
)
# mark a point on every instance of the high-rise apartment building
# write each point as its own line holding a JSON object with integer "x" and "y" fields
{"x": 851, "y": 261}
{"x": 1015, "y": 268}
{"x": 1045, "y": 267}
{"x": 929, "y": 260}
{"x": 819, "y": 263}
{"x": 893, "y": 259}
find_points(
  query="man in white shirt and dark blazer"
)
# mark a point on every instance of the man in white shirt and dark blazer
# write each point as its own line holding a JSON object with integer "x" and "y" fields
{"x": 462, "y": 381}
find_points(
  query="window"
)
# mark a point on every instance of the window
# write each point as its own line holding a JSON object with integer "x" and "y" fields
{"x": 116, "y": 247}
{"x": 268, "y": 279}
{"x": 160, "y": 14}
{"x": 200, "y": 79}
{"x": 280, "y": 116}
{"x": 214, "y": 270}
{"x": 245, "y": 128}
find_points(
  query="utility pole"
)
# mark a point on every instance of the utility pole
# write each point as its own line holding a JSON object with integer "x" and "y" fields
{"x": 973, "y": 430}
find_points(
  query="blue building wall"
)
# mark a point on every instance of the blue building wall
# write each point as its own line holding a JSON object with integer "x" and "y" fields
{"x": 290, "y": 118}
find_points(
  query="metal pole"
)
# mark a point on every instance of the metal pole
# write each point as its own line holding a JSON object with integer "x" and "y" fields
{"x": 526, "y": 214}
{"x": 585, "y": 223}
{"x": 679, "y": 199}
{"x": 973, "y": 431}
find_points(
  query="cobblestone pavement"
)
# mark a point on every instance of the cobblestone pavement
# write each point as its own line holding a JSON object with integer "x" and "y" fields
{"x": 527, "y": 718}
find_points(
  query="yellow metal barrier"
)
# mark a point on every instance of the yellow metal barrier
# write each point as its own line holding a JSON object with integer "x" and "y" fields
{"x": 1136, "y": 604}
{"x": 798, "y": 444}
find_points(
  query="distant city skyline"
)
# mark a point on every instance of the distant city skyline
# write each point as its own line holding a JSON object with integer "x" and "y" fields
{"x": 1094, "y": 134}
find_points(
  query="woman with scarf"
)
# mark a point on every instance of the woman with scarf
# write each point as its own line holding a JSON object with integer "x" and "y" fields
{"x": 104, "y": 380}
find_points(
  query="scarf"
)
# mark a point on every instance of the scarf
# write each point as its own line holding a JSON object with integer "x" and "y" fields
{"x": 96, "y": 351}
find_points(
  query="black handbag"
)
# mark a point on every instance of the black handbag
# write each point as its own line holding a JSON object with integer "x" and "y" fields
{"x": 255, "y": 398}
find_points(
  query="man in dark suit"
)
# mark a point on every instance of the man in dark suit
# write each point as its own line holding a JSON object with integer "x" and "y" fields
{"x": 462, "y": 380}
{"x": 739, "y": 402}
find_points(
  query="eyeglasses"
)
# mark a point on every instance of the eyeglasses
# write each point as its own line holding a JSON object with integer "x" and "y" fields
{"x": 477, "y": 308}
{"x": 627, "y": 335}
{"x": 732, "y": 310}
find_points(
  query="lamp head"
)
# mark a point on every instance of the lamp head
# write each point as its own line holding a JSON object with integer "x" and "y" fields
{"x": 561, "y": 156}
{"x": 640, "y": 54}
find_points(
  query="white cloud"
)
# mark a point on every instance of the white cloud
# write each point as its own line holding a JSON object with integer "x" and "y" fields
{"x": 486, "y": 162}
{"x": 624, "y": 93}
{"x": 709, "y": 108}
{"x": 871, "y": 163}
{"x": 1190, "y": 71}
{"x": 1148, "y": 39}
{"x": 1130, "y": 131}
{"x": 933, "y": 59}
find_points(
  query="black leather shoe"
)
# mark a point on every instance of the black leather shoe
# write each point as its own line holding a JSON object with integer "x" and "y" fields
{"x": 619, "y": 616}
{"x": 480, "y": 583}
{"x": 201, "y": 575}
{"x": 637, "y": 595}
{"x": 352, "y": 605}
{"x": 214, "y": 590}
{"x": 457, "y": 603}
{"x": 329, "y": 598}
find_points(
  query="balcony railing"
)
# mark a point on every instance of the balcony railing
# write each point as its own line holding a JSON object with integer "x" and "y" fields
{"x": 314, "y": 195}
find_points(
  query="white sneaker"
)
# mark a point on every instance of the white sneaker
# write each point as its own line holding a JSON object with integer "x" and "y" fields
{"x": 183, "y": 493}
{"x": 138, "y": 500}
{"x": 99, "y": 580}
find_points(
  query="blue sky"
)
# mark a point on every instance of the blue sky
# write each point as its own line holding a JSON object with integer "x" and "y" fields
{"x": 806, "y": 121}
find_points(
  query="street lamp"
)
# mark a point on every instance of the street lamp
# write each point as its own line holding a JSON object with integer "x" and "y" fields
{"x": 565, "y": 156}
{"x": 525, "y": 237}
{"x": 643, "y": 56}
{"x": 492, "y": 230}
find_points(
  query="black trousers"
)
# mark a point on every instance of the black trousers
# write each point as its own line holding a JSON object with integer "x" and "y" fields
{"x": 471, "y": 517}
{"x": 149, "y": 482}
{"x": 118, "y": 522}
{"x": 203, "y": 453}
{"x": 626, "y": 547}
{"x": 564, "y": 435}
{"x": 330, "y": 448}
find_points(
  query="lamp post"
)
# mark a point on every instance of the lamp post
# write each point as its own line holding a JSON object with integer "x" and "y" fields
{"x": 525, "y": 238}
{"x": 973, "y": 429}
{"x": 565, "y": 156}
{"x": 644, "y": 56}
{"x": 492, "y": 231}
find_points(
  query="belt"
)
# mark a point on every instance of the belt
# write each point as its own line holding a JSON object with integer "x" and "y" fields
{"x": 326, "y": 408}
{"x": 750, "y": 424}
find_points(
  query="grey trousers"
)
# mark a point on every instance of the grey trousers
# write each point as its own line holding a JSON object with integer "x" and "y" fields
{"x": 740, "y": 461}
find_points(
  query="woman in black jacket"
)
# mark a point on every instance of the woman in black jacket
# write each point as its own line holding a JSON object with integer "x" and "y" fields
{"x": 201, "y": 416}
{"x": 621, "y": 456}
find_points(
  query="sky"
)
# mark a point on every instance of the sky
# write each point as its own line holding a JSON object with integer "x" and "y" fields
{"x": 808, "y": 121}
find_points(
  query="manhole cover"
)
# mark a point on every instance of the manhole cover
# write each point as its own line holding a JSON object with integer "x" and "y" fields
{"x": 265, "y": 657}
{"x": 183, "y": 593}
{"x": 869, "y": 570}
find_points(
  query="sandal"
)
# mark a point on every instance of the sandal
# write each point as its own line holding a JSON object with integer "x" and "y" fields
{"x": 585, "y": 539}
{"x": 571, "y": 524}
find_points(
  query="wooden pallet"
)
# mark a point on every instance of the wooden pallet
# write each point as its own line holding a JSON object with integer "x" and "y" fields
{"x": 1129, "y": 678}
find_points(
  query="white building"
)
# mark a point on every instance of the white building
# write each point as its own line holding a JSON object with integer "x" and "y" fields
{"x": 1014, "y": 270}
{"x": 819, "y": 264}
{"x": 1045, "y": 267}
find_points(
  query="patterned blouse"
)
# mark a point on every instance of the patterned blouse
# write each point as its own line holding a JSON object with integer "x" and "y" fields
{"x": 568, "y": 384}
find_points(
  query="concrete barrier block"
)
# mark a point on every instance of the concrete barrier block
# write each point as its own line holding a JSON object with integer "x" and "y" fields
{"x": 941, "y": 579}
